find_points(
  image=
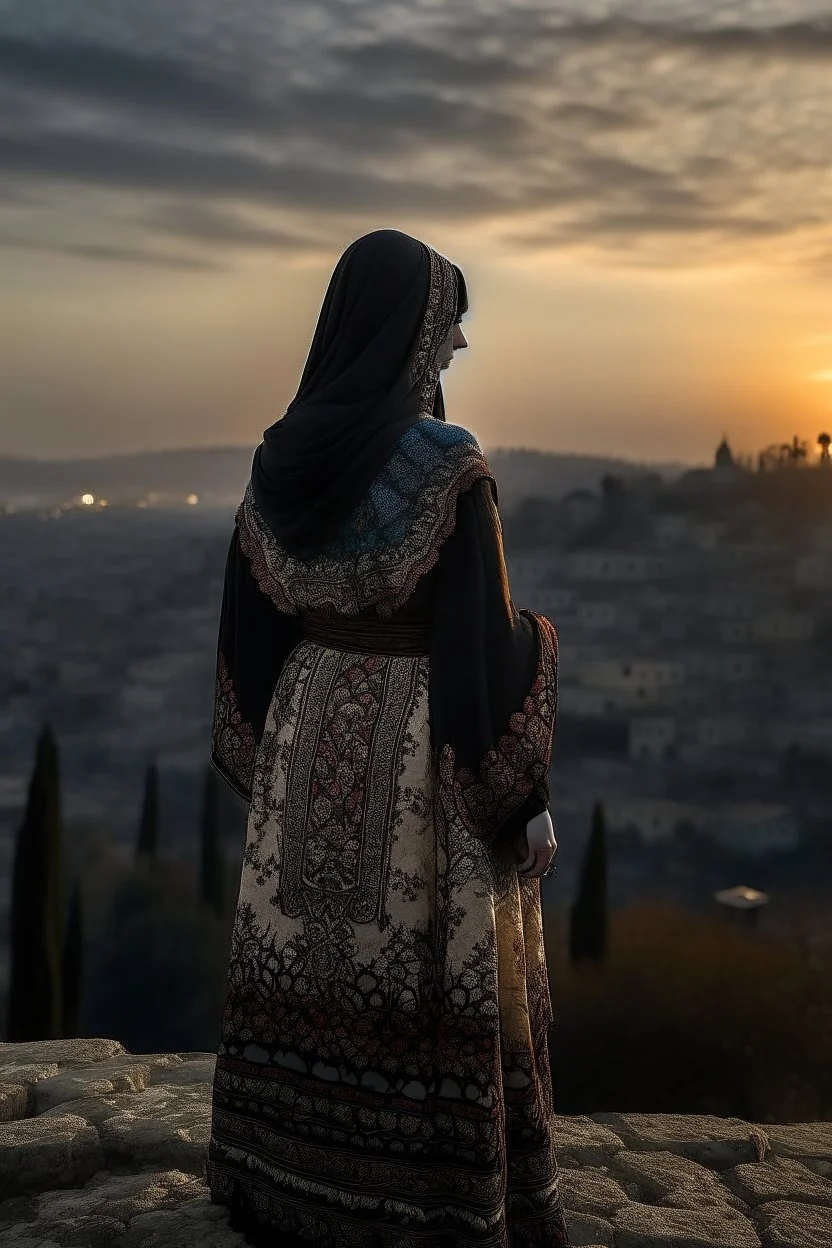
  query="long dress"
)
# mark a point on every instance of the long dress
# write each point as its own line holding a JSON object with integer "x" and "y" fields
{"x": 382, "y": 1078}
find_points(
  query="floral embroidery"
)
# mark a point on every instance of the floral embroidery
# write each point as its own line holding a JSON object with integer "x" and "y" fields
{"x": 233, "y": 748}
{"x": 392, "y": 539}
{"x": 519, "y": 766}
{"x": 342, "y": 785}
{"x": 415, "y": 1054}
{"x": 439, "y": 314}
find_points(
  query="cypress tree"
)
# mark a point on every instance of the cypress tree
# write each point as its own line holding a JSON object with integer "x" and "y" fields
{"x": 211, "y": 863}
{"x": 34, "y": 1004}
{"x": 147, "y": 846}
{"x": 72, "y": 966}
{"x": 589, "y": 919}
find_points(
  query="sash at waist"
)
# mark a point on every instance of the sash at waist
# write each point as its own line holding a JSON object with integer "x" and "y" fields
{"x": 368, "y": 635}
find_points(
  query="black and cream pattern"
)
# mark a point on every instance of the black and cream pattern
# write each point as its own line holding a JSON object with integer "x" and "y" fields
{"x": 391, "y": 540}
{"x": 382, "y": 1079}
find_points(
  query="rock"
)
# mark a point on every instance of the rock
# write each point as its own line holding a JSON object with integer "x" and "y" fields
{"x": 97, "y": 1080}
{"x": 580, "y": 1141}
{"x": 590, "y": 1191}
{"x": 194, "y": 1070}
{"x": 165, "y": 1127}
{"x": 804, "y": 1141}
{"x": 38, "y": 1153}
{"x": 63, "y": 1052}
{"x": 587, "y": 1231}
{"x": 664, "y": 1178}
{"x": 793, "y": 1224}
{"x": 100, "y": 1212}
{"x": 647, "y": 1226}
{"x": 715, "y": 1142}
{"x": 122, "y": 1073}
{"x": 14, "y": 1101}
{"x": 778, "y": 1179}
{"x": 100, "y": 1147}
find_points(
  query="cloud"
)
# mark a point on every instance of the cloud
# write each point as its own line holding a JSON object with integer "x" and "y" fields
{"x": 101, "y": 251}
{"x": 617, "y": 131}
{"x": 201, "y": 224}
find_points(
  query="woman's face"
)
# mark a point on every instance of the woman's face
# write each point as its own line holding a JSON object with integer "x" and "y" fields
{"x": 455, "y": 341}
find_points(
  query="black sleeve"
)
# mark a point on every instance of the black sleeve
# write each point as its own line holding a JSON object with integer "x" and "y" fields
{"x": 255, "y": 639}
{"x": 493, "y": 680}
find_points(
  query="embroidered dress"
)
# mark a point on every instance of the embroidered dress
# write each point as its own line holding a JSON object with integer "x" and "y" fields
{"x": 382, "y": 1078}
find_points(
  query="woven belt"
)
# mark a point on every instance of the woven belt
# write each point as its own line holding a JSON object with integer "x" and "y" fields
{"x": 367, "y": 635}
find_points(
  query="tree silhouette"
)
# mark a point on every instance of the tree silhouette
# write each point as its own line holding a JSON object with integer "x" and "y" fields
{"x": 211, "y": 863}
{"x": 148, "y": 842}
{"x": 34, "y": 1002}
{"x": 72, "y": 966}
{"x": 589, "y": 919}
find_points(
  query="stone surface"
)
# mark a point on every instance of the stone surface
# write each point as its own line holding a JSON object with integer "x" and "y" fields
{"x": 102, "y": 1147}
{"x": 37, "y": 1154}
{"x": 780, "y": 1178}
{"x": 808, "y": 1142}
{"x": 786, "y": 1224}
{"x": 662, "y": 1177}
{"x": 645, "y": 1226}
{"x": 591, "y": 1191}
{"x": 588, "y": 1231}
{"x": 584, "y": 1142}
{"x": 717, "y": 1142}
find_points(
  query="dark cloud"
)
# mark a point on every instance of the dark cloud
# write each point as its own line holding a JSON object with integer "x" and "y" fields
{"x": 117, "y": 77}
{"x": 400, "y": 60}
{"x": 156, "y": 166}
{"x": 790, "y": 40}
{"x": 100, "y": 251}
{"x": 206, "y": 225}
{"x": 467, "y": 117}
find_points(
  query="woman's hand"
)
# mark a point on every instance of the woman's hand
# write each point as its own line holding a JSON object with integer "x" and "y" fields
{"x": 537, "y": 847}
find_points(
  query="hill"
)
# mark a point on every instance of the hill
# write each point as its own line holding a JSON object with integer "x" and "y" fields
{"x": 218, "y": 475}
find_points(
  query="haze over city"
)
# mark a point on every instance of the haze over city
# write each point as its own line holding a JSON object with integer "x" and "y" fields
{"x": 637, "y": 193}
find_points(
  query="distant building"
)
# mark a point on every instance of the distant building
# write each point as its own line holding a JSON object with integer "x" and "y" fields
{"x": 606, "y": 615}
{"x": 790, "y": 626}
{"x": 754, "y": 828}
{"x": 618, "y": 565}
{"x": 581, "y": 508}
{"x": 654, "y": 819}
{"x": 814, "y": 571}
{"x": 652, "y": 737}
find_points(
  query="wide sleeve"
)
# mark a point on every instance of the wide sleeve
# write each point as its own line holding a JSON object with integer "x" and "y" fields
{"x": 255, "y": 639}
{"x": 493, "y": 680}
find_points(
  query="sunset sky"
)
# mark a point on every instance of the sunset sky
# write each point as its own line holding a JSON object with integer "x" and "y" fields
{"x": 639, "y": 194}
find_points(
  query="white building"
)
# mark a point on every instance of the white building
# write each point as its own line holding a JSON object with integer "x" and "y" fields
{"x": 640, "y": 677}
{"x": 715, "y": 732}
{"x": 618, "y": 565}
{"x": 671, "y": 530}
{"x": 754, "y": 828}
{"x": 652, "y": 737}
{"x": 708, "y": 535}
{"x": 788, "y": 626}
{"x": 528, "y": 569}
{"x": 655, "y": 819}
{"x": 814, "y": 571}
{"x": 582, "y": 507}
{"x": 607, "y": 615}
{"x": 737, "y": 632}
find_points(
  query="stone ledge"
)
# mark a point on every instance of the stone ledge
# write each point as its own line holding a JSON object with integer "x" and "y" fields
{"x": 99, "y": 1146}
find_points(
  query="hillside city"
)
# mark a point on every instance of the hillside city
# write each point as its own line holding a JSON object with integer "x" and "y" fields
{"x": 695, "y": 620}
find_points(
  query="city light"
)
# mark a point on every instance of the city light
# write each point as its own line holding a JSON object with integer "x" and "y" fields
{"x": 88, "y": 499}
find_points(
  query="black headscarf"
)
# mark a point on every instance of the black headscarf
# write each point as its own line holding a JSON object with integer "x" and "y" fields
{"x": 370, "y": 373}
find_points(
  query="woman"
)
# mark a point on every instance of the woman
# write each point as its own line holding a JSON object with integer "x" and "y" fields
{"x": 382, "y": 1078}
